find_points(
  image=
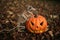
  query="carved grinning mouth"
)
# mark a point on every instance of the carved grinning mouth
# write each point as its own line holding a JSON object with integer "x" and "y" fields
{"x": 36, "y": 31}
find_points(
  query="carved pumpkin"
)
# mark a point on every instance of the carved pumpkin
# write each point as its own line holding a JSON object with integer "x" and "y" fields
{"x": 36, "y": 24}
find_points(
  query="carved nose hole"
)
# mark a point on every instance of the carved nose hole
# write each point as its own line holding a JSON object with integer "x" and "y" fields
{"x": 37, "y": 26}
{"x": 41, "y": 23}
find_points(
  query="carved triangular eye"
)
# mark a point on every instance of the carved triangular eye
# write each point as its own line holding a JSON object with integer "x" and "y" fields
{"x": 32, "y": 23}
{"x": 41, "y": 23}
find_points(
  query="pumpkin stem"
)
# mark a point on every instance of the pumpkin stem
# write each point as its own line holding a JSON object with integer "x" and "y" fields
{"x": 35, "y": 15}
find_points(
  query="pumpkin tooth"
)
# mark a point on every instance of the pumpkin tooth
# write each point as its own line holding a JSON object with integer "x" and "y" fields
{"x": 40, "y": 31}
{"x": 37, "y": 32}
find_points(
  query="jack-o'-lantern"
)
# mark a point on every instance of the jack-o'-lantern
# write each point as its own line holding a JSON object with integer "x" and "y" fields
{"x": 36, "y": 24}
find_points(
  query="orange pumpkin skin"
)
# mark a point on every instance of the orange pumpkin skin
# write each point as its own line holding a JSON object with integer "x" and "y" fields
{"x": 36, "y": 24}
